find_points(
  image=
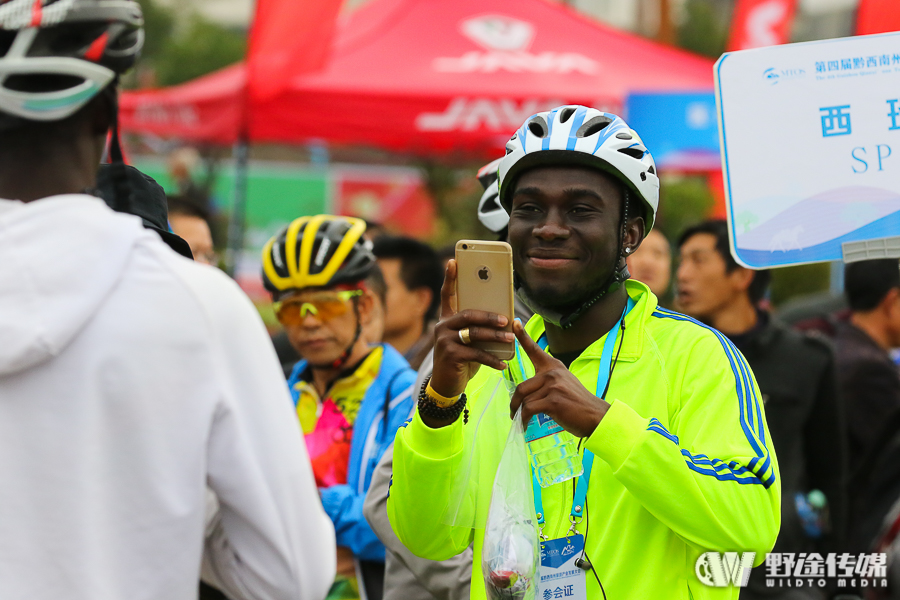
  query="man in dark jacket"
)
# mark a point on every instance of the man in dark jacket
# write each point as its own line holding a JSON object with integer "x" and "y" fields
{"x": 868, "y": 377}
{"x": 796, "y": 376}
{"x": 870, "y": 386}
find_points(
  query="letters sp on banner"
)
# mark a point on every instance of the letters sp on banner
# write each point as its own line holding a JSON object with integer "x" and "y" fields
{"x": 810, "y": 140}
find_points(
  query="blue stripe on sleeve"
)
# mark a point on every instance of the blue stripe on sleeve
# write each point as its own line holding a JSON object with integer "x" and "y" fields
{"x": 727, "y": 476}
{"x": 720, "y": 470}
{"x": 745, "y": 375}
{"x": 664, "y": 433}
{"x": 748, "y": 403}
{"x": 746, "y": 420}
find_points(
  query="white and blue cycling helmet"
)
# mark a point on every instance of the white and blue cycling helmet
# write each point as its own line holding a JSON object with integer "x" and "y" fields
{"x": 581, "y": 136}
{"x": 578, "y": 135}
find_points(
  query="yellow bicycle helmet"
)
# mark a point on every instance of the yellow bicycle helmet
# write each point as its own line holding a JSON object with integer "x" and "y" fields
{"x": 319, "y": 251}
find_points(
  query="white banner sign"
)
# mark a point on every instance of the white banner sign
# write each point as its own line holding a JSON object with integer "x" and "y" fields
{"x": 810, "y": 139}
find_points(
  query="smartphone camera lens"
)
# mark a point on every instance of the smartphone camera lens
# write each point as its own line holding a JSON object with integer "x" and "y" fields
{"x": 465, "y": 246}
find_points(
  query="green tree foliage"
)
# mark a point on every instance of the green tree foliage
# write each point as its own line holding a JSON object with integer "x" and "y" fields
{"x": 799, "y": 281}
{"x": 158, "y": 25}
{"x": 456, "y": 193}
{"x": 684, "y": 201}
{"x": 704, "y": 29}
{"x": 184, "y": 45}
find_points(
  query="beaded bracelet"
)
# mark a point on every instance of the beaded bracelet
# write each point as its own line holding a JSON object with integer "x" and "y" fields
{"x": 429, "y": 408}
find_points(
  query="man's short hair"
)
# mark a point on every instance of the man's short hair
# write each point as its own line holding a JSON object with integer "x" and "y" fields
{"x": 718, "y": 228}
{"x": 868, "y": 282}
{"x": 188, "y": 207}
{"x": 420, "y": 266}
{"x": 375, "y": 282}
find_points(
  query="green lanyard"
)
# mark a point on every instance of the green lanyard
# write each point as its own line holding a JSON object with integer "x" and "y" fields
{"x": 587, "y": 459}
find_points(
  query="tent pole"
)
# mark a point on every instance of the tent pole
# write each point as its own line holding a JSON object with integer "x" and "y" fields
{"x": 236, "y": 223}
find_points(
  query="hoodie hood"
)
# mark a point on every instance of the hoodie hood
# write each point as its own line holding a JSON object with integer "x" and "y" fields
{"x": 60, "y": 257}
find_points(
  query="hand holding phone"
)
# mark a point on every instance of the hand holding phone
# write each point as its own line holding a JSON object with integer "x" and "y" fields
{"x": 484, "y": 282}
{"x": 463, "y": 312}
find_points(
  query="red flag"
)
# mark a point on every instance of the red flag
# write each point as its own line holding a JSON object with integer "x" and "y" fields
{"x": 758, "y": 23}
{"x": 877, "y": 16}
{"x": 288, "y": 37}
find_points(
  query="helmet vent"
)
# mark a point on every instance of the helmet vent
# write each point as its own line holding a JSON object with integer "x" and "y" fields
{"x": 633, "y": 152}
{"x": 595, "y": 125}
{"x": 566, "y": 114}
{"x": 651, "y": 170}
{"x": 538, "y": 127}
{"x": 39, "y": 83}
{"x": 277, "y": 251}
{"x": 643, "y": 176}
{"x": 490, "y": 205}
{"x": 6, "y": 41}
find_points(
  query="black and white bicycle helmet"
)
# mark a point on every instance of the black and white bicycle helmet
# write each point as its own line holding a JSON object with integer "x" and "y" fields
{"x": 323, "y": 251}
{"x": 490, "y": 213}
{"x": 318, "y": 251}
{"x": 56, "y": 55}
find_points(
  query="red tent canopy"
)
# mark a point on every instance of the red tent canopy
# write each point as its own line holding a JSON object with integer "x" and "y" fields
{"x": 428, "y": 76}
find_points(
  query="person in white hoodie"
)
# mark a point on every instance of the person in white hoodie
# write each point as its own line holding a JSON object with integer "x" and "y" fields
{"x": 130, "y": 377}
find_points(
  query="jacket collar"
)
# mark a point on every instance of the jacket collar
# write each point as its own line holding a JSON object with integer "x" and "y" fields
{"x": 764, "y": 334}
{"x": 635, "y": 322}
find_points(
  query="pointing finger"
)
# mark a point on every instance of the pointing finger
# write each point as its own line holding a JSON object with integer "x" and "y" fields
{"x": 540, "y": 359}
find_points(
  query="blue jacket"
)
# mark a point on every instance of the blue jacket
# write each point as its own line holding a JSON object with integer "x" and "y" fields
{"x": 390, "y": 395}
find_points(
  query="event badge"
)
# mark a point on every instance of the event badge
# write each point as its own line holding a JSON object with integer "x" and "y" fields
{"x": 559, "y": 577}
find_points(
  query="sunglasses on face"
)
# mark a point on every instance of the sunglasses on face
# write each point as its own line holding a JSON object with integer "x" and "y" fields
{"x": 325, "y": 305}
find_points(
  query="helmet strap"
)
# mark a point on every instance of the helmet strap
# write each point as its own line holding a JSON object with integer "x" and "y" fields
{"x": 612, "y": 283}
{"x": 115, "y": 141}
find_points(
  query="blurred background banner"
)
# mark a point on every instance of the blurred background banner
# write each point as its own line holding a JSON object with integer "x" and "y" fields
{"x": 877, "y": 16}
{"x": 288, "y": 37}
{"x": 434, "y": 88}
{"x": 759, "y": 23}
{"x": 681, "y": 129}
{"x": 810, "y": 152}
{"x": 426, "y": 78}
{"x": 207, "y": 110}
{"x": 396, "y": 200}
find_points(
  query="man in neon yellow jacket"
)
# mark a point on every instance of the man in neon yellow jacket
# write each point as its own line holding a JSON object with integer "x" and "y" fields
{"x": 667, "y": 414}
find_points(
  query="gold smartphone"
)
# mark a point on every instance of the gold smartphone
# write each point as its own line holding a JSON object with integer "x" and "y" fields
{"x": 484, "y": 281}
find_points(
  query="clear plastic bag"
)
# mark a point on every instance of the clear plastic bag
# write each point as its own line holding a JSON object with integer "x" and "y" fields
{"x": 509, "y": 557}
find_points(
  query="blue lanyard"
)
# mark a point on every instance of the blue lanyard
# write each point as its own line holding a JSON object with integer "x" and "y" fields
{"x": 587, "y": 459}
